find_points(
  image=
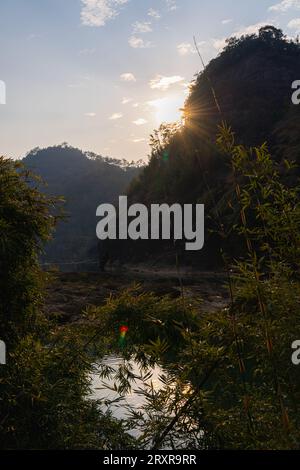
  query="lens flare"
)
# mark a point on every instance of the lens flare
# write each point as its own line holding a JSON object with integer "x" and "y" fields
{"x": 123, "y": 332}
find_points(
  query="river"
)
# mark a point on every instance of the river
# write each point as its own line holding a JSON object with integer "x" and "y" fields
{"x": 132, "y": 398}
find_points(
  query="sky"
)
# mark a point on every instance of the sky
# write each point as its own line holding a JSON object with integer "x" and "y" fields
{"x": 101, "y": 75}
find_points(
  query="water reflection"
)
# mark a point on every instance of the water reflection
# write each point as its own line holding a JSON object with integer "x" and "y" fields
{"x": 132, "y": 398}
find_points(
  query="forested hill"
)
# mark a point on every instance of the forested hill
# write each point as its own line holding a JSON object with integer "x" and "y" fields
{"x": 249, "y": 86}
{"x": 251, "y": 80}
{"x": 84, "y": 180}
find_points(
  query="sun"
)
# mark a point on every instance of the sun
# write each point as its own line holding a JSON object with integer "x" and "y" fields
{"x": 167, "y": 109}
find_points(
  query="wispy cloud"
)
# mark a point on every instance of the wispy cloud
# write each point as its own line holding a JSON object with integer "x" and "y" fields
{"x": 140, "y": 122}
{"x": 161, "y": 82}
{"x": 227, "y": 21}
{"x": 126, "y": 100}
{"x": 172, "y": 5}
{"x": 155, "y": 103}
{"x": 295, "y": 24}
{"x": 138, "y": 140}
{"x": 91, "y": 115}
{"x": 140, "y": 27}
{"x": 98, "y": 12}
{"x": 127, "y": 77}
{"x": 154, "y": 13}
{"x": 185, "y": 48}
{"x": 139, "y": 43}
{"x": 285, "y": 5}
{"x": 115, "y": 116}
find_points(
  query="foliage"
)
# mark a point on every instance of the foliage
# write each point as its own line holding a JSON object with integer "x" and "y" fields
{"x": 229, "y": 381}
{"x": 25, "y": 223}
{"x": 252, "y": 80}
{"x": 45, "y": 385}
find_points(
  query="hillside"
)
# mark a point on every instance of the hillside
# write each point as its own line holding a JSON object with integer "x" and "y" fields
{"x": 252, "y": 81}
{"x": 84, "y": 180}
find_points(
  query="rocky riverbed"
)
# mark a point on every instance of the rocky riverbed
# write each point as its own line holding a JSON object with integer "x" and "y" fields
{"x": 68, "y": 294}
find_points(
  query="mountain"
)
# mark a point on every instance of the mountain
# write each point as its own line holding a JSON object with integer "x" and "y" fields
{"x": 249, "y": 85}
{"x": 84, "y": 180}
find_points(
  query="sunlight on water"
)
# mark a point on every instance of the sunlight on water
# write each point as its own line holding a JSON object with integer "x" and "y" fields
{"x": 133, "y": 398}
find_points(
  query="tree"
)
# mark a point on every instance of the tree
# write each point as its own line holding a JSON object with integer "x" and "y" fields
{"x": 45, "y": 384}
{"x": 229, "y": 380}
{"x": 270, "y": 34}
{"x": 25, "y": 224}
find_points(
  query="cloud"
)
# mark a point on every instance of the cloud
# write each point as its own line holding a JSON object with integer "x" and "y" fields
{"x": 135, "y": 105}
{"x": 163, "y": 83}
{"x": 154, "y": 14}
{"x": 227, "y": 21}
{"x": 90, "y": 115}
{"x": 220, "y": 43}
{"x": 126, "y": 100}
{"x": 171, "y": 5}
{"x": 140, "y": 122}
{"x": 139, "y": 43}
{"x": 137, "y": 141}
{"x": 252, "y": 28}
{"x": 128, "y": 77}
{"x": 98, "y": 12}
{"x": 187, "y": 87}
{"x": 295, "y": 24}
{"x": 158, "y": 103}
{"x": 185, "y": 48}
{"x": 168, "y": 108}
{"x": 142, "y": 27}
{"x": 285, "y": 5}
{"x": 115, "y": 116}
